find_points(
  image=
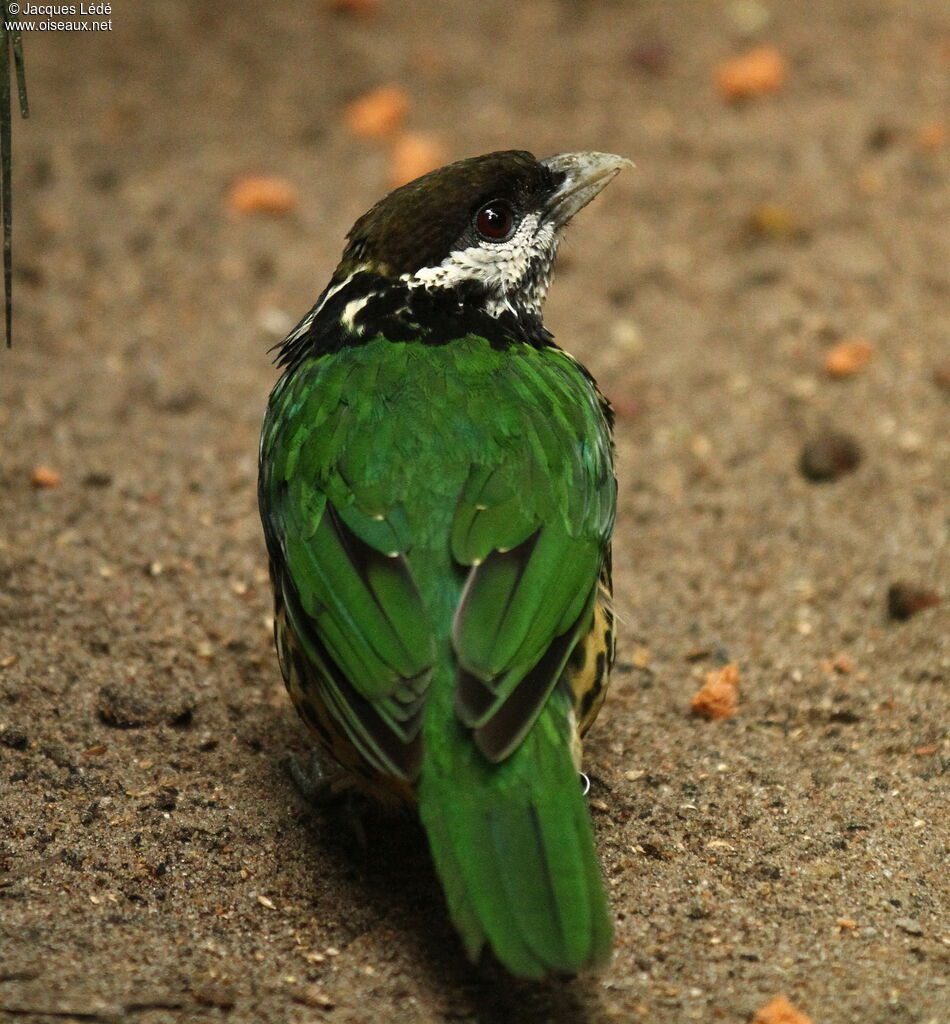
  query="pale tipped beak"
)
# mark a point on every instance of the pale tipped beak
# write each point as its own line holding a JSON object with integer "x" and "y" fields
{"x": 586, "y": 175}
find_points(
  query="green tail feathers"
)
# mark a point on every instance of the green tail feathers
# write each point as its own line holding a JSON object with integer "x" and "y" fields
{"x": 514, "y": 849}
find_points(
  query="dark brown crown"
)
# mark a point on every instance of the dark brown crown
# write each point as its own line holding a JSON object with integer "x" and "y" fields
{"x": 417, "y": 225}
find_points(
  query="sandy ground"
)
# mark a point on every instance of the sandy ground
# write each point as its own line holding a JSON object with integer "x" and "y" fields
{"x": 157, "y": 864}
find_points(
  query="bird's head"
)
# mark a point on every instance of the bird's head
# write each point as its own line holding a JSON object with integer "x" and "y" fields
{"x": 486, "y": 228}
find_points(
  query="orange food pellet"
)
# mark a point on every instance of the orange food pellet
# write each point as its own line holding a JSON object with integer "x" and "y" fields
{"x": 780, "y": 1011}
{"x": 262, "y": 194}
{"x": 753, "y": 73}
{"x": 718, "y": 697}
{"x": 412, "y": 156}
{"x": 848, "y": 357}
{"x": 378, "y": 114}
{"x": 45, "y": 477}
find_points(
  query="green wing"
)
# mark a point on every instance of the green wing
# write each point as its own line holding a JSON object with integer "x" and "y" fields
{"x": 534, "y": 530}
{"x": 339, "y": 558}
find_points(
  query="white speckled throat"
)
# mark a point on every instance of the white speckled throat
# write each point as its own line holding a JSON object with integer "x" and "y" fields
{"x": 515, "y": 274}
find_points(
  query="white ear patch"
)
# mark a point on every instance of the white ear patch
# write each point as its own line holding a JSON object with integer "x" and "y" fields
{"x": 515, "y": 273}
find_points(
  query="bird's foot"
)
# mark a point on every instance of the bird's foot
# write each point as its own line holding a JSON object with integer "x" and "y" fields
{"x": 321, "y": 788}
{"x": 314, "y": 783}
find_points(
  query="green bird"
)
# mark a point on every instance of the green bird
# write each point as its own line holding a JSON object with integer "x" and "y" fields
{"x": 437, "y": 493}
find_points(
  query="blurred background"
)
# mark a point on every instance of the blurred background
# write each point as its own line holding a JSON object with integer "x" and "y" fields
{"x": 765, "y": 299}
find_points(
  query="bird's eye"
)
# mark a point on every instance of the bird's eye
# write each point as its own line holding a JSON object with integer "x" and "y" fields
{"x": 495, "y": 221}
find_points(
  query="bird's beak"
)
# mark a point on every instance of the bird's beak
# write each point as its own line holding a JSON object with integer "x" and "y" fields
{"x": 586, "y": 174}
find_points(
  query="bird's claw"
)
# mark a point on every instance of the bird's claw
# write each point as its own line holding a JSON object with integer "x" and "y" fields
{"x": 321, "y": 788}
{"x": 313, "y": 782}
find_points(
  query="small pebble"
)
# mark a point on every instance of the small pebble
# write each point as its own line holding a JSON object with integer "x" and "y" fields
{"x": 882, "y": 137}
{"x": 906, "y": 599}
{"x": 829, "y": 456}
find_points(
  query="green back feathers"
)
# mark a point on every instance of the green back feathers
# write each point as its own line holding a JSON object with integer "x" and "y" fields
{"x": 437, "y": 517}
